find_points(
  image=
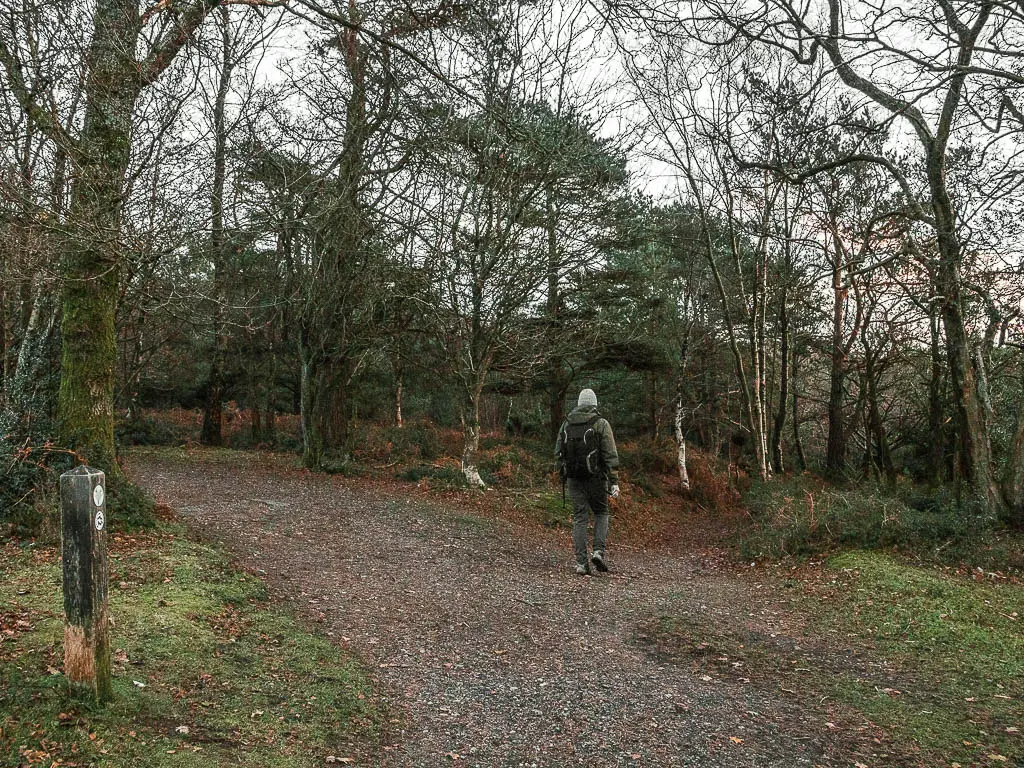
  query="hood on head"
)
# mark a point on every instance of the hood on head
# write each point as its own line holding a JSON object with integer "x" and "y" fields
{"x": 582, "y": 415}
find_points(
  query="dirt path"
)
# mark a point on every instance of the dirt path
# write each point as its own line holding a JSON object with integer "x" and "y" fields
{"x": 487, "y": 649}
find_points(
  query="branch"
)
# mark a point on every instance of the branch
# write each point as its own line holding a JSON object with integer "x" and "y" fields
{"x": 860, "y": 157}
{"x": 31, "y": 108}
{"x": 854, "y": 80}
{"x": 386, "y": 40}
{"x": 968, "y": 37}
{"x": 164, "y": 51}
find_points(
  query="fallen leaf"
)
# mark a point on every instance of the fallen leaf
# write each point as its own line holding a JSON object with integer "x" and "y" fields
{"x": 1012, "y": 729}
{"x": 183, "y": 729}
{"x": 735, "y": 739}
{"x": 998, "y": 758}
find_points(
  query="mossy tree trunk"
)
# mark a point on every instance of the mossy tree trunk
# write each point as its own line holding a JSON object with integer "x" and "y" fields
{"x": 92, "y": 255}
{"x": 100, "y": 155}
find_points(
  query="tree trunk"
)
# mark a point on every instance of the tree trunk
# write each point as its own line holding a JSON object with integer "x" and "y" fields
{"x": 780, "y": 415}
{"x": 680, "y": 434}
{"x": 835, "y": 451}
{"x": 92, "y": 260}
{"x": 972, "y": 427}
{"x": 28, "y": 412}
{"x": 758, "y": 354}
{"x": 309, "y": 396}
{"x": 398, "y": 400}
{"x": 937, "y": 449}
{"x": 255, "y": 413}
{"x": 1013, "y": 477}
{"x": 325, "y": 409}
{"x": 798, "y": 445}
{"x": 213, "y": 417}
{"x": 471, "y": 436}
{"x": 556, "y": 407}
{"x": 875, "y": 428}
{"x": 557, "y": 380}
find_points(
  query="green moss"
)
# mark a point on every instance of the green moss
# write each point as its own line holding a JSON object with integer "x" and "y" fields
{"x": 195, "y": 645}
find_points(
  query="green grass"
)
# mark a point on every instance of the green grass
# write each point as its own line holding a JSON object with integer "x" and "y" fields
{"x": 933, "y": 658}
{"x": 207, "y": 672}
{"x": 959, "y": 643}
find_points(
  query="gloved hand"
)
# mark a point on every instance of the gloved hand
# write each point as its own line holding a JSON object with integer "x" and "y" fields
{"x": 614, "y": 492}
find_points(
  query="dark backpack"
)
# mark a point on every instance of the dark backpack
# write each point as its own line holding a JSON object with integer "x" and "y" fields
{"x": 581, "y": 450}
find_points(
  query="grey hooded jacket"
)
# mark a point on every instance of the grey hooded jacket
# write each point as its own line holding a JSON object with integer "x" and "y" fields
{"x": 609, "y": 453}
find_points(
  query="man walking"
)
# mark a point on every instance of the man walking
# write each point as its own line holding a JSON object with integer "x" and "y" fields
{"x": 586, "y": 455}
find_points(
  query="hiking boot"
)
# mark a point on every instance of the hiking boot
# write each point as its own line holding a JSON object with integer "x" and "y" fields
{"x": 582, "y": 569}
{"x": 598, "y": 560}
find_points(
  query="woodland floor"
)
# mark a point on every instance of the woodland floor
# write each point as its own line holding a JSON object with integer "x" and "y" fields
{"x": 486, "y": 649}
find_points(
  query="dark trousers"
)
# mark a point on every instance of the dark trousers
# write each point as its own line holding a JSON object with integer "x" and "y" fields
{"x": 588, "y": 497}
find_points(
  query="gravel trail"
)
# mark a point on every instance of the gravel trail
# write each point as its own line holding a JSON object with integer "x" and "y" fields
{"x": 482, "y": 643}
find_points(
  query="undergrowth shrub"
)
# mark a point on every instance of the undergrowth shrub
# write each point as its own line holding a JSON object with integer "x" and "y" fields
{"x": 649, "y": 456}
{"x": 129, "y": 507}
{"x": 711, "y": 486}
{"x": 146, "y": 429}
{"x": 523, "y": 464}
{"x": 447, "y": 475}
{"x": 416, "y": 440}
{"x": 29, "y": 493}
{"x": 30, "y": 497}
{"x": 804, "y": 516}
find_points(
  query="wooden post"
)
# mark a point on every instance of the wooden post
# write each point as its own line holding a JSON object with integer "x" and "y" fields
{"x": 84, "y": 551}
